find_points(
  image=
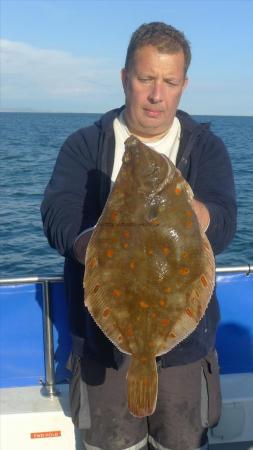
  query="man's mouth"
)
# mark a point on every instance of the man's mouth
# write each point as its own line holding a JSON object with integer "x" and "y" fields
{"x": 152, "y": 113}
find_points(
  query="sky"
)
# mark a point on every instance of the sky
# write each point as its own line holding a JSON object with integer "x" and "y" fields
{"x": 66, "y": 56}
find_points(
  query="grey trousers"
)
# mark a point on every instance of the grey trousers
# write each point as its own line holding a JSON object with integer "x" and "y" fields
{"x": 188, "y": 403}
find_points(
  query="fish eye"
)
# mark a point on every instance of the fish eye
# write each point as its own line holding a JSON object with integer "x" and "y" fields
{"x": 154, "y": 170}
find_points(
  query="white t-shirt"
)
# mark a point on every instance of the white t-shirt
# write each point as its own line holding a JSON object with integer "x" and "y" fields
{"x": 168, "y": 144}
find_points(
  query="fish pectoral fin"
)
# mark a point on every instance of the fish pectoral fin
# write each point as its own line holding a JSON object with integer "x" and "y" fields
{"x": 142, "y": 386}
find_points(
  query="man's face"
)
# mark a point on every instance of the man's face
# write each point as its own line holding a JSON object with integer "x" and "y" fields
{"x": 153, "y": 86}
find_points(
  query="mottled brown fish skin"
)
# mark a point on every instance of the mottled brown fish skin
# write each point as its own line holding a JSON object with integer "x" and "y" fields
{"x": 150, "y": 269}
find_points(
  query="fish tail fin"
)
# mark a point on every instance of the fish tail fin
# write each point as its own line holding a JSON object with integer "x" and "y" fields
{"x": 142, "y": 386}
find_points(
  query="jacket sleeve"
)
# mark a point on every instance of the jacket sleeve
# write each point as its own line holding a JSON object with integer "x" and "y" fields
{"x": 64, "y": 207}
{"x": 214, "y": 186}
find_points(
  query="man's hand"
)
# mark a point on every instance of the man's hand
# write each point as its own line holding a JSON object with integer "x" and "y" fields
{"x": 80, "y": 245}
{"x": 202, "y": 213}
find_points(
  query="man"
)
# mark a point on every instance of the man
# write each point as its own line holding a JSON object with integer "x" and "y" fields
{"x": 154, "y": 78}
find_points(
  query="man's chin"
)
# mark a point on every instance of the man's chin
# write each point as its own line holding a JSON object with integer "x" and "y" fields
{"x": 150, "y": 133}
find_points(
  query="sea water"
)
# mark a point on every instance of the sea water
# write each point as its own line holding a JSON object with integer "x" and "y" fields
{"x": 30, "y": 143}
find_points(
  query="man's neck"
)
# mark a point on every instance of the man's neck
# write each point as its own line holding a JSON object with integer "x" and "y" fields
{"x": 142, "y": 137}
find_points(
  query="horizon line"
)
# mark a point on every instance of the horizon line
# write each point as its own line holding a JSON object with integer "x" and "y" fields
{"x": 31, "y": 111}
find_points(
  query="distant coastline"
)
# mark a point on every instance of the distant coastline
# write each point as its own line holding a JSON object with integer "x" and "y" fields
{"x": 37, "y": 111}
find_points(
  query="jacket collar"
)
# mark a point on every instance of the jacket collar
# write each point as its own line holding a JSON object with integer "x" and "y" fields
{"x": 105, "y": 123}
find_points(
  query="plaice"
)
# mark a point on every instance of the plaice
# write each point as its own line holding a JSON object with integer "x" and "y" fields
{"x": 150, "y": 268}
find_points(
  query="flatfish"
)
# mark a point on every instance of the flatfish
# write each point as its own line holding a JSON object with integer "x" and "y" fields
{"x": 150, "y": 268}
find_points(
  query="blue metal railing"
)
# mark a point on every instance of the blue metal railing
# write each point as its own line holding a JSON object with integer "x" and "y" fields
{"x": 48, "y": 339}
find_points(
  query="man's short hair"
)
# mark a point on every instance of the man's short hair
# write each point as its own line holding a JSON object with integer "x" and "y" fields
{"x": 165, "y": 38}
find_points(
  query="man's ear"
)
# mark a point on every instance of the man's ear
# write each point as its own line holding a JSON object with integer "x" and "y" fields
{"x": 185, "y": 83}
{"x": 124, "y": 79}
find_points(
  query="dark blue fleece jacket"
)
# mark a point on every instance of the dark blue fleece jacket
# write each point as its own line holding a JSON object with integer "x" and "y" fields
{"x": 76, "y": 195}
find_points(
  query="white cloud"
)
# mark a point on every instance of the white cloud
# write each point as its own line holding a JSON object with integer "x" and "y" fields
{"x": 38, "y": 76}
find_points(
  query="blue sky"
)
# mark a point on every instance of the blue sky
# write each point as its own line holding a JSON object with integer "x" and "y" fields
{"x": 67, "y": 55}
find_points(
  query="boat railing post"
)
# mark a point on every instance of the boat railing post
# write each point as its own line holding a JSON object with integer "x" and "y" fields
{"x": 49, "y": 386}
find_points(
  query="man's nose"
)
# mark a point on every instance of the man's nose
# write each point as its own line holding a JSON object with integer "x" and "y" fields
{"x": 156, "y": 92}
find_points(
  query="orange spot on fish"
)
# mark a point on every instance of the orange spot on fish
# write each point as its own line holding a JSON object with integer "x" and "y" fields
{"x": 96, "y": 288}
{"x": 162, "y": 302}
{"x": 126, "y": 234}
{"x": 116, "y": 293}
{"x": 188, "y": 224}
{"x": 143, "y": 304}
{"x": 189, "y": 213}
{"x": 106, "y": 312}
{"x": 154, "y": 315}
{"x": 203, "y": 281}
{"x": 185, "y": 255}
{"x": 155, "y": 221}
{"x": 184, "y": 271}
{"x": 144, "y": 359}
{"x": 165, "y": 322}
{"x": 132, "y": 265}
{"x": 151, "y": 343}
{"x": 130, "y": 332}
{"x": 145, "y": 380}
{"x": 178, "y": 190}
{"x": 189, "y": 312}
{"x": 109, "y": 252}
{"x": 166, "y": 251}
{"x": 125, "y": 244}
{"x": 167, "y": 289}
{"x": 114, "y": 215}
{"x": 150, "y": 251}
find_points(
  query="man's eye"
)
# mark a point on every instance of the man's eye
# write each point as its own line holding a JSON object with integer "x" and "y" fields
{"x": 171, "y": 82}
{"x": 144, "y": 80}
